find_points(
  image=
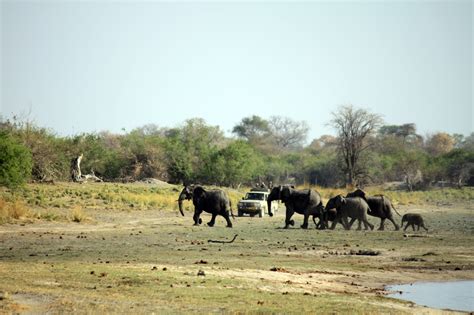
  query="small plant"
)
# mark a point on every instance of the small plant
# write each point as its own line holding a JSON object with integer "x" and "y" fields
{"x": 78, "y": 215}
{"x": 48, "y": 216}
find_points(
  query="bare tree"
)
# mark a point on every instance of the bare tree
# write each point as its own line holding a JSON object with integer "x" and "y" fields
{"x": 288, "y": 133}
{"x": 354, "y": 126}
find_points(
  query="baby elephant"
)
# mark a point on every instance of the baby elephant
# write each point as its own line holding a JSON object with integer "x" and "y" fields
{"x": 355, "y": 208}
{"x": 413, "y": 219}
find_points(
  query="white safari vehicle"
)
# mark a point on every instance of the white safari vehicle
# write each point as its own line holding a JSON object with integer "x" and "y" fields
{"x": 255, "y": 202}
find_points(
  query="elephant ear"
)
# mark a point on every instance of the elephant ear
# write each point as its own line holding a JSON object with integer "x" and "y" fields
{"x": 361, "y": 193}
{"x": 340, "y": 200}
{"x": 189, "y": 190}
{"x": 199, "y": 191}
{"x": 285, "y": 193}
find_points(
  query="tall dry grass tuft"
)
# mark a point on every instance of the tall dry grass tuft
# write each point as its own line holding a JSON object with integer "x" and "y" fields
{"x": 13, "y": 210}
{"x": 78, "y": 215}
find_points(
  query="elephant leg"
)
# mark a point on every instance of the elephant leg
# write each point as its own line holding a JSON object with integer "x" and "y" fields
{"x": 413, "y": 226}
{"x": 382, "y": 224}
{"x": 333, "y": 225}
{"x": 394, "y": 224}
{"x": 305, "y": 221}
{"x": 288, "y": 221}
{"x": 345, "y": 223}
{"x": 351, "y": 222}
{"x": 226, "y": 217}
{"x": 368, "y": 224}
{"x": 213, "y": 220}
{"x": 359, "y": 225}
{"x": 196, "y": 218}
{"x": 405, "y": 228}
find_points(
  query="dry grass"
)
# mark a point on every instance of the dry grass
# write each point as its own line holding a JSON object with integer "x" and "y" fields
{"x": 60, "y": 201}
{"x": 435, "y": 196}
{"x": 13, "y": 210}
{"x": 78, "y": 215}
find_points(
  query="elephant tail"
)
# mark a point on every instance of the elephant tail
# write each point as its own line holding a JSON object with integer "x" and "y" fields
{"x": 393, "y": 207}
{"x": 396, "y": 211}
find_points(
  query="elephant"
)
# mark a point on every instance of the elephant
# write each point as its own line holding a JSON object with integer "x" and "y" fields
{"x": 328, "y": 215}
{"x": 413, "y": 219}
{"x": 306, "y": 202}
{"x": 379, "y": 206}
{"x": 354, "y": 207}
{"x": 216, "y": 202}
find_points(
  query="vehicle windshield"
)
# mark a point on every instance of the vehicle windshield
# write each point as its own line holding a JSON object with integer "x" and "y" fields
{"x": 254, "y": 196}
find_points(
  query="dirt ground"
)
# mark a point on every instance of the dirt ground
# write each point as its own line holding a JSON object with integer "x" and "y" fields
{"x": 157, "y": 261}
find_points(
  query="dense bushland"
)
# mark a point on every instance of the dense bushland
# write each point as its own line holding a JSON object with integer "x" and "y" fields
{"x": 273, "y": 150}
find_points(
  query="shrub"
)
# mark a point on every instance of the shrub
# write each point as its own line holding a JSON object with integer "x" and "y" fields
{"x": 78, "y": 215}
{"x": 15, "y": 162}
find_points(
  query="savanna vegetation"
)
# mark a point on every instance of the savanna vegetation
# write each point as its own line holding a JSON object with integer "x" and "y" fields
{"x": 121, "y": 246}
{"x": 364, "y": 151}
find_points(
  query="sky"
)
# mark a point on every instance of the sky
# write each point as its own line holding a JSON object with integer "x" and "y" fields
{"x": 89, "y": 66}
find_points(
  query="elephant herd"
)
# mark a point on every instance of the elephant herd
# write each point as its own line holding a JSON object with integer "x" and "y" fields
{"x": 307, "y": 202}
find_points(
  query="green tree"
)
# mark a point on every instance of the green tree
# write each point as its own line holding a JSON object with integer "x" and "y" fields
{"x": 189, "y": 150}
{"x": 459, "y": 165}
{"x": 15, "y": 162}
{"x": 144, "y": 155}
{"x": 236, "y": 164}
{"x": 252, "y": 128}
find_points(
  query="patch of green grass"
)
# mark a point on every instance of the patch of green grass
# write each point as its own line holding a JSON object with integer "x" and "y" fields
{"x": 48, "y": 215}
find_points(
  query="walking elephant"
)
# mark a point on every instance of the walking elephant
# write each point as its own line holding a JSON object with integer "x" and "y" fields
{"x": 306, "y": 202}
{"x": 413, "y": 219}
{"x": 216, "y": 202}
{"x": 379, "y": 206}
{"x": 355, "y": 207}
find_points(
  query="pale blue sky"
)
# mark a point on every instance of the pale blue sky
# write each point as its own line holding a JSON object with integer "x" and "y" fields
{"x": 106, "y": 65}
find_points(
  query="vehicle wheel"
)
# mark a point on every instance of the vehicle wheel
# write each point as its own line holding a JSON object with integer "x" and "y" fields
{"x": 239, "y": 213}
{"x": 261, "y": 213}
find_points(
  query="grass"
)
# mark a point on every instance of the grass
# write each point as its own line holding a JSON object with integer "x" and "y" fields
{"x": 147, "y": 261}
{"x": 134, "y": 253}
{"x": 13, "y": 210}
{"x": 434, "y": 196}
{"x": 77, "y": 215}
{"x": 62, "y": 201}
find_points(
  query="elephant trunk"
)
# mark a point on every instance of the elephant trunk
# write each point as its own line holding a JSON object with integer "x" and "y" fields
{"x": 182, "y": 197}
{"x": 180, "y": 204}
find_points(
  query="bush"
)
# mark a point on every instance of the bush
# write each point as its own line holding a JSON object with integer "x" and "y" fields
{"x": 15, "y": 162}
